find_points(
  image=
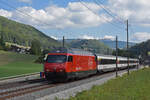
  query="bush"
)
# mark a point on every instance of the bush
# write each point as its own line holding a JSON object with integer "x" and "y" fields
{"x": 1, "y": 48}
{"x": 35, "y": 47}
{"x": 41, "y": 58}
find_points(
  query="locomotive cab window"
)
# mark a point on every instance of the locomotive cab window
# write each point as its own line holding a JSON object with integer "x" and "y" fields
{"x": 70, "y": 58}
{"x": 56, "y": 58}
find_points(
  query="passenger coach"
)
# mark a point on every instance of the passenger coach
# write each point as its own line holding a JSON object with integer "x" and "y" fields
{"x": 108, "y": 62}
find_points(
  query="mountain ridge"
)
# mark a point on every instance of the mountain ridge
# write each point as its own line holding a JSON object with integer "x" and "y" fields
{"x": 110, "y": 43}
{"x": 91, "y": 45}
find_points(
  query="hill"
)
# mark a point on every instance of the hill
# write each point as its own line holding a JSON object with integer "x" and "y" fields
{"x": 109, "y": 43}
{"x": 112, "y": 44}
{"x": 91, "y": 45}
{"x": 141, "y": 49}
{"x": 22, "y": 34}
{"x": 12, "y": 64}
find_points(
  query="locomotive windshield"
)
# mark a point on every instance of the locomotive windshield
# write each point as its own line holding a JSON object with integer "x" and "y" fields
{"x": 56, "y": 58}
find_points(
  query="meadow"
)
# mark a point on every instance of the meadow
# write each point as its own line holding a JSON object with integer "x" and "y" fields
{"x": 136, "y": 86}
{"x": 12, "y": 64}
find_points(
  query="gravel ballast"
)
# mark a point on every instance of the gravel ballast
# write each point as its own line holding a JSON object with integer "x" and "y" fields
{"x": 73, "y": 91}
{"x": 64, "y": 91}
{"x": 19, "y": 79}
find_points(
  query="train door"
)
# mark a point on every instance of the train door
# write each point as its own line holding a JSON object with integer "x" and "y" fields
{"x": 71, "y": 66}
{"x": 70, "y": 62}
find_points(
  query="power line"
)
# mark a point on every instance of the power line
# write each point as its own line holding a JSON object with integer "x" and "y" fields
{"x": 131, "y": 29}
{"x": 25, "y": 14}
{"x": 98, "y": 14}
{"x": 118, "y": 17}
{"x": 41, "y": 22}
{"x": 109, "y": 12}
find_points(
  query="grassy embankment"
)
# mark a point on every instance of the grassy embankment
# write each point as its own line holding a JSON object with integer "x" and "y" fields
{"x": 12, "y": 64}
{"x": 136, "y": 86}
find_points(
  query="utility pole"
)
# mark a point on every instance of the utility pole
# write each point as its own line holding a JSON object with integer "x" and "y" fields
{"x": 127, "y": 48}
{"x": 116, "y": 56}
{"x": 63, "y": 41}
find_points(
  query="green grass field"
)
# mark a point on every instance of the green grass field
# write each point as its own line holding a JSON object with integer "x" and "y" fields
{"x": 136, "y": 86}
{"x": 12, "y": 64}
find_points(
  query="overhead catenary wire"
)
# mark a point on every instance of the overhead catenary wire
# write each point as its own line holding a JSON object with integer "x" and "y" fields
{"x": 47, "y": 24}
{"x": 109, "y": 12}
{"x": 24, "y": 14}
{"x": 42, "y": 23}
{"x": 99, "y": 15}
{"x": 132, "y": 30}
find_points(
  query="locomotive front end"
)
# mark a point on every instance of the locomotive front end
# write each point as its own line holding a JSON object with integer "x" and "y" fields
{"x": 55, "y": 67}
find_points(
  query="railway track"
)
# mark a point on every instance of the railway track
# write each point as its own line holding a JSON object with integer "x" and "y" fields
{"x": 8, "y": 91}
{"x": 20, "y": 83}
{"x": 11, "y": 90}
{"x": 18, "y": 92}
{"x": 19, "y": 78}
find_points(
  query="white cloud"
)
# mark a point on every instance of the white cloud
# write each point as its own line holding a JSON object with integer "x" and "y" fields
{"x": 54, "y": 37}
{"x": 74, "y": 15}
{"x": 109, "y": 37}
{"x": 137, "y": 11}
{"x": 140, "y": 36}
{"x": 78, "y": 7}
{"x": 5, "y": 13}
{"x": 25, "y": 1}
{"x": 31, "y": 16}
{"x": 87, "y": 37}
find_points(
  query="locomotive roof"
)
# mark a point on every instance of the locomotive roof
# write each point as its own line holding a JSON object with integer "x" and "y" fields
{"x": 72, "y": 51}
{"x": 87, "y": 53}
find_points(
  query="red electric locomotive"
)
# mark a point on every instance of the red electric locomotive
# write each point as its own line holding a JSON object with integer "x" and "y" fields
{"x": 64, "y": 64}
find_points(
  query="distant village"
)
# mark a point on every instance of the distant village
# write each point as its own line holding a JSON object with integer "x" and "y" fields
{"x": 18, "y": 48}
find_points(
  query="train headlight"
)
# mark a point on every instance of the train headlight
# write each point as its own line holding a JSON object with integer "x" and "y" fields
{"x": 61, "y": 70}
{"x": 47, "y": 70}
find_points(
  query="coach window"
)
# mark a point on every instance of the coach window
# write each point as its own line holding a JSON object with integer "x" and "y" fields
{"x": 70, "y": 59}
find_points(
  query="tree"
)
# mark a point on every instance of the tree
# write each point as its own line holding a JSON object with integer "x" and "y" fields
{"x": 123, "y": 53}
{"x": 42, "y": 56}
{"x": 2, "y": 43}
{"x": 35, "y": 47}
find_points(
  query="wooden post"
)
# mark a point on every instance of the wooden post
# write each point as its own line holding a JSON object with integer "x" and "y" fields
{"x": 127, "y": 48}
{"x": 63, "y": 41}
{"x": 116, "y": 56}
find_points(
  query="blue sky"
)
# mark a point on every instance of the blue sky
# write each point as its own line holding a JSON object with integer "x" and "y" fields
{"x": 86, "y": 19}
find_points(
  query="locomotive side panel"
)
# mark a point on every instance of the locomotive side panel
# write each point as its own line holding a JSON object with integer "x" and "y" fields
{"x": 84, "y": 65}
